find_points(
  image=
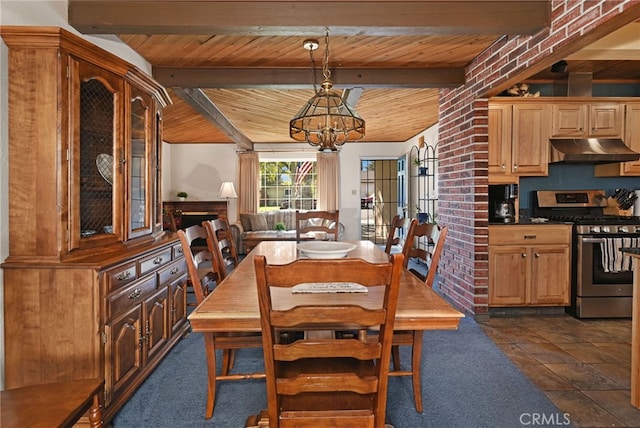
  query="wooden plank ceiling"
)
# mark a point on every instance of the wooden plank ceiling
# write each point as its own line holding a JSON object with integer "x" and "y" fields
{"x": 237, "y": 71}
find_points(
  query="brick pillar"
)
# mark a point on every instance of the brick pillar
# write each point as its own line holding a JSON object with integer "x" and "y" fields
{"x": 463, "y": 188}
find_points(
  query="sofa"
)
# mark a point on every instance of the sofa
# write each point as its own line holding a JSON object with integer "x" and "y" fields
{"x": 249, "y": 224}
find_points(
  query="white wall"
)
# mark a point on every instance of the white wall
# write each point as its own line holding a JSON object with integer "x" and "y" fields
{"x": 35, "y": 13}
{"x": 199, "y": 170}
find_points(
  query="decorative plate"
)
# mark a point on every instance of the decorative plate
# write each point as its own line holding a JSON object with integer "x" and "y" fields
{"x": 325, "y": 249}
{"x": 104, "y": 162}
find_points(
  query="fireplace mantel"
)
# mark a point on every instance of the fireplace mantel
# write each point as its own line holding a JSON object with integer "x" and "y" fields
{"x": 214, "y": 209}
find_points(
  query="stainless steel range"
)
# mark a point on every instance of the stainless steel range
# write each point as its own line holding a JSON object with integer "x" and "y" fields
{"x": 602, "y": 280}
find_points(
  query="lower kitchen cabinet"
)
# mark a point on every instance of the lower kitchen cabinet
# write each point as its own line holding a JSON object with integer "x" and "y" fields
{"x": 111, "y": 315}
{"x": 529, "y": 265}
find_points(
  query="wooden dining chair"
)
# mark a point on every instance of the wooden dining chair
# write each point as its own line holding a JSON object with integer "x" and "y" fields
{"x": 204, "y": 270}
{"x": 169, "y": 222}
{"x": 202, "y": 264}
{"x": 429, "y": 254}
{"x": 221, "y": 244}
{"x": 393, "y": 238}
{"x": 318, "y": 221}
{"x": 329, "y": 381}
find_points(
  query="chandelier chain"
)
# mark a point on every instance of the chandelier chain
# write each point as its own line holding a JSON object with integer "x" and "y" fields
{"x": 314, "y": 74}
{"x": 326, "y": 73}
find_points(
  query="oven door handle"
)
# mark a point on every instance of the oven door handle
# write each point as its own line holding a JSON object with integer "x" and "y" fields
{"x": 592, "y": 240}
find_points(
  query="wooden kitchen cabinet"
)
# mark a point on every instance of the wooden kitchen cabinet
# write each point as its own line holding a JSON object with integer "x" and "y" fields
{"x": 518, "y": 140}
{"x": 93, "y": 287}
{"x": 632, "y": 140}
{"x": 529, "y": 265}
{"x": 580, "y": 119}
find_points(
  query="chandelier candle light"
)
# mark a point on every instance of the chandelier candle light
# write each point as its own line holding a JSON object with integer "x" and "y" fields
{"x": 326, "y": 121}
{"x": 227, "y": 191}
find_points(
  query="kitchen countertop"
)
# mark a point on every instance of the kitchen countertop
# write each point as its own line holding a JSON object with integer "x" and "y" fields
{"x": 530, "y": 223}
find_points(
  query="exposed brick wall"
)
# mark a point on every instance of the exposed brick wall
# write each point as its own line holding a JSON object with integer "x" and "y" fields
{"x": 463, "y": 142}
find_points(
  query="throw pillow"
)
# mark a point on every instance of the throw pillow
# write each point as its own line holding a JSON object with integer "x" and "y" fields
{"x": 258, "y": 221}
{"x": 246, "y": 222}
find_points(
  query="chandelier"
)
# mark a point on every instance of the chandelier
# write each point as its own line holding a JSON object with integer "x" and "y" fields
{"x": 326, "y": 121}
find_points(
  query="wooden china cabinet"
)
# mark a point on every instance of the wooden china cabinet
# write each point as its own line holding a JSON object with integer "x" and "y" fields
{"x": 93, "y": 287}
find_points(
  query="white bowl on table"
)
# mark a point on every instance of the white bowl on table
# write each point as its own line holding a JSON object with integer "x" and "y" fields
{"x": 326, "y": 249}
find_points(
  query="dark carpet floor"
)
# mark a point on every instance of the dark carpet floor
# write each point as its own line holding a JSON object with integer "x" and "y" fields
{"x": 467, "y": 383}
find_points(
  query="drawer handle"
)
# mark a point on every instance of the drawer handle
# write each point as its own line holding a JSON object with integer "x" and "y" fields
{"x": 529, "y": 236}
{"x": 135, "y": 293}
{"x": 179, "y": 249}
{"x": 124, "y": 275}
{"x": 175, "y": 270}
{"x": 157, "y": 260}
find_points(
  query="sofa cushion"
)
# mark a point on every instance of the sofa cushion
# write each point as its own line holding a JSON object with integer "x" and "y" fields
{"x": 258, "y": 221}
{"x": 246, "y": 223}
{"x": 286, "y": 217}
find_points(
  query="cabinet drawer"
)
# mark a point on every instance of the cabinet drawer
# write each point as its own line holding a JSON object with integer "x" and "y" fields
{"x": 121, "y": 275}
{"x": 168, "y": 274}
{"x": 130, "y": 296}
{"x": 177, "y": 251}
{"x": 155, "y": 261}
{"x": 530, "y": 234}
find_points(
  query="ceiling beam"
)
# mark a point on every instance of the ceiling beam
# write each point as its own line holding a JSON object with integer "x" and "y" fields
{"x": 311, "y": 17}
{"x": 298, "y": 78}
{"x": 203, "y": 105}
{"x": 352, "y": 96}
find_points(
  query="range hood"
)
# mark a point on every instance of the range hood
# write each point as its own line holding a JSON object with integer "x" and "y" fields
{"x": 591, "y": 150}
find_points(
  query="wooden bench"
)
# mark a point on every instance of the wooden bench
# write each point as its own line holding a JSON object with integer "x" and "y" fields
{"x": 59, "y": 404}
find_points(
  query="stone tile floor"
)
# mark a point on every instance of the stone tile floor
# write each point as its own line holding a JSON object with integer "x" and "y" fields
{"x": 583, "y": 366}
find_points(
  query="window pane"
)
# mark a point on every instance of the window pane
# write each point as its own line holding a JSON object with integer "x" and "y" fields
{"x": 287, "y": 185}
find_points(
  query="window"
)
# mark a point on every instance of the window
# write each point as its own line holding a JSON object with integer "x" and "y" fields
{"x": 287, "y": 185}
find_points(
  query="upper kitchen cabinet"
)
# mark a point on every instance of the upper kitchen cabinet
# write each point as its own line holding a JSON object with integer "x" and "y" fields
{"x": 580, "y": 119}
{"x": 632, "y": 140}
{"x": 518, "y": 140}
{"x": 84, "y": 140}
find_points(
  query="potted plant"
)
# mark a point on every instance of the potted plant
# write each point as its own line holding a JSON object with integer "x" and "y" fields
{"x": 422, "y": 170}
{"x": 280, "y": 227}
{"x": 182, "y": 195}
{"x": 422, "y": 217}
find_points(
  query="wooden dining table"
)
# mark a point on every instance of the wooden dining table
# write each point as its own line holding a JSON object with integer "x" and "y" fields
{"x": 232, "y": 307}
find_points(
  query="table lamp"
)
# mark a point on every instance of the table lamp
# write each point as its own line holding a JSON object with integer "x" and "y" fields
{"x": 227, "y": 191}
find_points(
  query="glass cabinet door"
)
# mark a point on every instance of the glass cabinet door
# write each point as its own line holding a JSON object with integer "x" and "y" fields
{"x": 140, "y": 154}
{"x": 93, "y": 190}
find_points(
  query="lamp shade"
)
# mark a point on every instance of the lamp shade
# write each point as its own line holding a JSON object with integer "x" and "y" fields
{"x": 227, "y": 190}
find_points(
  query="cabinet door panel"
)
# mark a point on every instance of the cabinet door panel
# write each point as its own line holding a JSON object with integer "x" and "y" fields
{"x": 568, "y": 120}
{"x": 530, "y": 140}
{"x": 124, "y": 350}
{"x": 178, "y": 310}
{"x": 499, "y": 142}
{"x": 550, "y": 275}
{"x": 94, "y": 189}
{"x": 507, "y": 275}
{"x": 632, "y": 138}
{"x": 140, "y": 213}
{"x": 605, "y": 120}
{"x": 157, "y": 321}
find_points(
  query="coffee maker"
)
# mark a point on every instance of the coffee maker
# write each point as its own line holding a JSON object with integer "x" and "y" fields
{"x": 502, "y": 202}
